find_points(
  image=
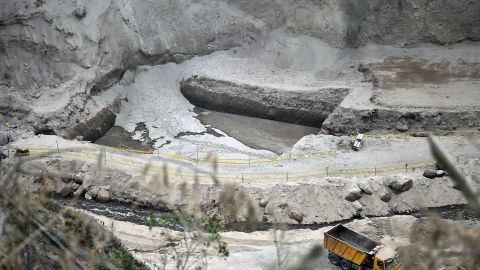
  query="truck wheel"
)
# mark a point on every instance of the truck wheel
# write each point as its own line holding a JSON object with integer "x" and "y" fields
{"x": 345, "y": 265}
{"x": 334, "y": 259}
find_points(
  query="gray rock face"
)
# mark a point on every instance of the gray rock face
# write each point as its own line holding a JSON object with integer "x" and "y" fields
{"x": 304, "y": 108}
{"x": 440, "y": 173}
{"x": 402, "y": 127}
{"x": 400, "y": 184}
{"x": 263, "y": 202}
{"x": 64, "y": 190}
{"x": 386, "y": 197}
{"x": 296, "y": 215}
{"x": 365, "y": 187}
{"x": 90, "y": 45}
{"x": 103, "y": 196}
{"x": 357, "y": 206}
{"x": 430, "y": 173}
{"x": 354, "y": 193}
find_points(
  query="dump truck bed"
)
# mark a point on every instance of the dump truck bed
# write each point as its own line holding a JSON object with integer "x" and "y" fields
{"x": 349, "y": 244}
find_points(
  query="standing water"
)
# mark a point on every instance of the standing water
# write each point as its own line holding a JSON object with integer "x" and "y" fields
{"x": 275, "y": 136}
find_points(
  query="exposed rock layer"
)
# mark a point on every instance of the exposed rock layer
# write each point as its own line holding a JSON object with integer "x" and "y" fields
{"x": 304, "y": 108}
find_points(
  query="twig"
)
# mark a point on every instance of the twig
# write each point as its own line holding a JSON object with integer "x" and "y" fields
{"x": 463, "y": 182}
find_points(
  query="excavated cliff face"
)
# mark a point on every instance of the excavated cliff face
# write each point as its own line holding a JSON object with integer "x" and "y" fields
{"x": 56, "y": 54}
{"x": 296, "y": 107}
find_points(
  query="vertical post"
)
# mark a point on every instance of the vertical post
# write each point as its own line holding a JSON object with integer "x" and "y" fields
{"x": 375, "y": 170}
{"x": 326, "y": 169}
{"x": 287, "y": 176}
{"x": 248, "y": 160}
{"x": 58, "y": 149}
{"x": 406, "y": 167}
{"x": 243, "y": 179}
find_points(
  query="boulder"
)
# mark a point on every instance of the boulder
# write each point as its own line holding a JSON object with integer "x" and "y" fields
{"x": 365, "y": 187}
{"x": 401, "y": 126}
{"x": 430, "y": 173}
{"x": 296, "y": 215}
{"x": 357, "y": 206}
{"x": 66, "y": 179}
{"x": 79, "y": 192}
{"x": 386, "y": 196}
{"x": 440, "y": 173}
{"x": 77, "y": 178}
{"x": 75, "y": 186}
{"x": 103, "y": 196}
{"x": 354, "y": 193}
{"x": 400, "y": 184}
{"x": 263, "y": 202}
{"x": 64, "y": 191}
{"x": 80, "y": 12}
{"x": 72, "y": 178}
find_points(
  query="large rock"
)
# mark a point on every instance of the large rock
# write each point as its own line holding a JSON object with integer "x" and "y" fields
{"x": 386, "y": 196}
{"x": 441, "y": 173}
{"x": 357, "y": 206}
{"x": 430, "y": 173}
{"x": 402, "y": 127}
{"x": 400, "y": 184}
{"x": 79, "y": 192}
{"x": 64, "y": 190}
{"x": 365, "y": 187}
{"x": 103, "y": 196}
{"x": 354, "y": 193}
{"x": 296, "y": 215}
{"x": 263, "y": 202}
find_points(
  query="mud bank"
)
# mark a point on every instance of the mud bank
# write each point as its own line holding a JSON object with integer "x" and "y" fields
{"x": 296, "y": 107}
{"x": 350, "y": 120}
{"x": 141, "y": 216}
{"x": 313, "y": 201}
{"x": 119, "y": 137}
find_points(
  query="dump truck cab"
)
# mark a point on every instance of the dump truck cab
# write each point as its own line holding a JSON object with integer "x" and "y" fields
{"x": 386, "y": 258}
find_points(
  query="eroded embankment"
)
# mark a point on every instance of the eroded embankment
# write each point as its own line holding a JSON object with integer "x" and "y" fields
{"x": 350, "y": 120}
{"x": 308, "y": 108}
{"x": 313, "y": 201}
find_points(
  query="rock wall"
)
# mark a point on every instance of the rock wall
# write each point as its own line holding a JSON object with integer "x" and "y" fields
{"x": 56, "y": 50}
{"x": 302, "y": 108}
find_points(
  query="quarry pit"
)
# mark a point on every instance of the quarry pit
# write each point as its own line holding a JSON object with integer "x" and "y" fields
{"x": 164, "y": 106}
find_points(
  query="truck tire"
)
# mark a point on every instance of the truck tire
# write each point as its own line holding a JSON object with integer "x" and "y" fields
{"x": 333, "y": 258}
{"x": 345, "y": 265}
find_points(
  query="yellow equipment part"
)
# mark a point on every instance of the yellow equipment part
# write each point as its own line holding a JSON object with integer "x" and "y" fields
{"x": 346, "y": 251}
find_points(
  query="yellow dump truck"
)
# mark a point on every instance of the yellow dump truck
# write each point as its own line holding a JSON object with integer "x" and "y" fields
{"x": 353, "y": 251}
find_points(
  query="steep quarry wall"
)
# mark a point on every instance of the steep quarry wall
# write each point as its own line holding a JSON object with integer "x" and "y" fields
{"x": 65, "y": 51}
